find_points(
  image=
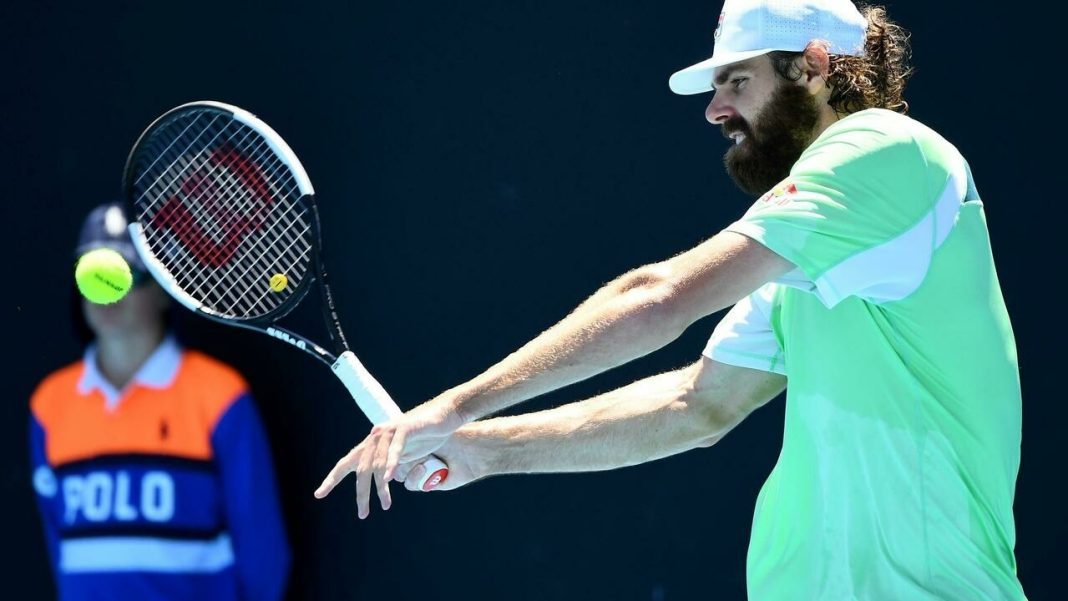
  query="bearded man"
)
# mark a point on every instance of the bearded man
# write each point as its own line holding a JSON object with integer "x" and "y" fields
{"x": 862, "y": 282}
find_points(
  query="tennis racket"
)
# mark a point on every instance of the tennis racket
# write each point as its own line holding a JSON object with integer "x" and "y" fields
{"x": 224, "y": 217}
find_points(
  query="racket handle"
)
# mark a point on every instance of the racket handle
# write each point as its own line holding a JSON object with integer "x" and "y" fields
{"x": 379, "y": 407}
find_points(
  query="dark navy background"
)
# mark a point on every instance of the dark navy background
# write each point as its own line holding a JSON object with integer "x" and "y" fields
{"x": 482, "y": 167}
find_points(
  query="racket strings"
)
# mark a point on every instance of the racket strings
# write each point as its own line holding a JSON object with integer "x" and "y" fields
{"x": 180, "y": 163}
{"x": 165, "y": 186}
{"x": 222, "y": 213}
{"x": 186, "y": 227}
{"x": 151, "y": 152}
{"x": 224, "y": 229}
{"x": 286, "y": 245}
{"x": 251, "y": 218}
{"x": 214, "y": 230}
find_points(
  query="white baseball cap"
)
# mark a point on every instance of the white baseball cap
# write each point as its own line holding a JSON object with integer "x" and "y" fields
{"x": 749, "y": 28}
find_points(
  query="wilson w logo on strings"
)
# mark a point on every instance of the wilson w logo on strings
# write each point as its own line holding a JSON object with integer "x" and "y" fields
{"x": 217, "y": 206}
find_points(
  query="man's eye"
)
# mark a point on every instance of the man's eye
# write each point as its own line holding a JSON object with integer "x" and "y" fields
{"x": 738, "y": 82}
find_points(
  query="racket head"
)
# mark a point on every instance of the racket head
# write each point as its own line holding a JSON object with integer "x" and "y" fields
{"x": 222, "y": 213}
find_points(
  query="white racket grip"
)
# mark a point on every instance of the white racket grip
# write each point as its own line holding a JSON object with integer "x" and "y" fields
{"x": 379, "y": 407}
{"x": 373, "y": 400}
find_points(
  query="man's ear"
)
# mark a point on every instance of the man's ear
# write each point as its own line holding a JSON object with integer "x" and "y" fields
{"x": 815, "y": 65}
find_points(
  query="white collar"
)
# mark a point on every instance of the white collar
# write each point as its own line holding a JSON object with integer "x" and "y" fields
{"x": 158, "y": 371}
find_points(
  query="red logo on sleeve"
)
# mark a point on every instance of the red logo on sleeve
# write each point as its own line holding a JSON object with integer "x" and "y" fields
{"x": 780, "y": 195}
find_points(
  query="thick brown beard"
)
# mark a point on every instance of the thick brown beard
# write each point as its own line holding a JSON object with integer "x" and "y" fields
{"x": 784, "y": 128}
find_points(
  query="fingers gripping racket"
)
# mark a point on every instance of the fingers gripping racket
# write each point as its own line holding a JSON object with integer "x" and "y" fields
{"x": 224, "y": 217}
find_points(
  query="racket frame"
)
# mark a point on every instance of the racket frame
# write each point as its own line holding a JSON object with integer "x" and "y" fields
{"x": 265, "y": 323}
{"x": 368, "y": 393}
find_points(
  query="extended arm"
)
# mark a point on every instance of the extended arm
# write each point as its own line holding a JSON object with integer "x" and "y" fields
{"x": 647, "y": 420}
{"x": 637, "y": 313}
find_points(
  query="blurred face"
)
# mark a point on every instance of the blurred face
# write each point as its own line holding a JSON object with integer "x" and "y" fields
{"x": 769, "y": 120}
{"x": 140, "y": 310}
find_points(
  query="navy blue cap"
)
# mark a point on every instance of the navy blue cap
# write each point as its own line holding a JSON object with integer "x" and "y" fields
{"x": 105, "y": 227}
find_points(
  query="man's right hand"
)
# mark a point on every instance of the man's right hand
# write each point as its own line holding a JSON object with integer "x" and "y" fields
{"x": 408, "y": 437}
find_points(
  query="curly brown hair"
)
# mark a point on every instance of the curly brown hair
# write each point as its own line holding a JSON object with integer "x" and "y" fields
{"x": 875, "y": 80}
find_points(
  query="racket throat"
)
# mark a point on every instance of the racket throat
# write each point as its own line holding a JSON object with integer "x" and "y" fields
{"x": 285, "y": 336}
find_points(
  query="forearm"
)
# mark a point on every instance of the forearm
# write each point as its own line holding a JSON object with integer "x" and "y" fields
{"x": 612, "y": 327}
{"x": 647, "y": 420}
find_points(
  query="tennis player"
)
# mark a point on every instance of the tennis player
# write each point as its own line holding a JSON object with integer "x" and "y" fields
{"x": 862, "y": 282}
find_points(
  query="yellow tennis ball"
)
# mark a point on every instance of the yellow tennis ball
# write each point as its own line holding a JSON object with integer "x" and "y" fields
{"x": 279, "y": 282}
{"x": 103, "y": 276}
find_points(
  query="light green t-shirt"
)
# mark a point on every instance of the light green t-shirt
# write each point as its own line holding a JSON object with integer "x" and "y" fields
{"x": 902, "y": 438}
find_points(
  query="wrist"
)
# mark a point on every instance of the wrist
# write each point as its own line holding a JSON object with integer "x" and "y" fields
{"x": 486, "y": 455}
{"x": 452, "y": 406}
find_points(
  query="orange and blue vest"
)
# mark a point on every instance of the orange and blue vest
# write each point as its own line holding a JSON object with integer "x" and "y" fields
{"x": 163, "y": 490}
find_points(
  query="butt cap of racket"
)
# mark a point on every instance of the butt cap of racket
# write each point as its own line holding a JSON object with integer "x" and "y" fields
{"x": 435, "y": 472}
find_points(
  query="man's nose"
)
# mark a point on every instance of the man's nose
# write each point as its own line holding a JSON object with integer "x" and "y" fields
{"x": 719, "y": 110}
